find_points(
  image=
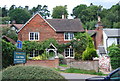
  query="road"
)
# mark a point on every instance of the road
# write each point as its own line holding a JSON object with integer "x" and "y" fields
{"x": 76, "y": 77}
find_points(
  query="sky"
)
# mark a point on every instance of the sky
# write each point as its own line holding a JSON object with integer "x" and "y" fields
{"x": 53, "y": 3}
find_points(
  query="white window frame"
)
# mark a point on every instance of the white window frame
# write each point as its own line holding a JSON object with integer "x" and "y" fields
{"x": 34, "y": 36}
{"x": 69, "y": 53}
{"x": 69, "y": 34}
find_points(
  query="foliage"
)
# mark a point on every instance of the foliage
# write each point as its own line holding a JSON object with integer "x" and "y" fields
{"x": 79, "y": 44}
{"x": 90, "y": 51}
{"x": 89, "y": 14}
{"x": 114, "y": 53}
{"x": 9, "y": 33}
{"x": 61, "y": 59}
{"x": 5, "y": 20}
{"x": 43, "y": 10}
{"x": 58, "y": 11}
{"x": 7, "y": 54}
{"x": 30, "y": 73}
{"x": 19, "y": 15}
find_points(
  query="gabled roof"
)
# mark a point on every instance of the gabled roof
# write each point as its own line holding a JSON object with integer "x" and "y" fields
{"x": 60, "y": 25}
{"x": 66, "y": 25}
{"x": 112, "y": 32}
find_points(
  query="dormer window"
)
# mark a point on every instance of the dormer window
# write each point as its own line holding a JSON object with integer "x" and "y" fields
{"x": 68, "y": 36}
{"x": 33, "y": 36}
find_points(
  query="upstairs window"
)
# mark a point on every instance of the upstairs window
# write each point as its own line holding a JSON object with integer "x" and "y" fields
{"x": 68, "y": 36}
{"x": 34, "y": 36}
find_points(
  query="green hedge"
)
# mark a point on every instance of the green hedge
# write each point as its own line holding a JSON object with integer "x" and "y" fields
{"x": 114, "y": 53}
{"x": 89, "y": 53}
{"x": 7, "y": 54}
{"x": 31, "y": 73}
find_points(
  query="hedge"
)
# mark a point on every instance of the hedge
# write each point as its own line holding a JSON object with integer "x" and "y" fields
{"x": 31, "y": 73}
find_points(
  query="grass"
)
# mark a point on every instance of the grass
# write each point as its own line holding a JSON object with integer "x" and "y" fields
{"x": 81, "y": 71}
{"x": 63, "y": 65}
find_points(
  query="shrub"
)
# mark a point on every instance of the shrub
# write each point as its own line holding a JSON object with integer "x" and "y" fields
{"x": 31, "y": 73}
{"x": 61, "y": 58}
{"x": 7, "y": 54}
{"x": 114, "y": 53}
{"x": 89, "y": 53}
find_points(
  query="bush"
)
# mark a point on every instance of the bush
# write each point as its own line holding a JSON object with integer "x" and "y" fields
{"x": 31, "y": 73}
{"x": 7, "y": 54}
{"x": 114, "y": 53}
{"x": 89, "y": 53}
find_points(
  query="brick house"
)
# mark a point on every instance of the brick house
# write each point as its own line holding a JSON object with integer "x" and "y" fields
{"x": 39, "y": 29}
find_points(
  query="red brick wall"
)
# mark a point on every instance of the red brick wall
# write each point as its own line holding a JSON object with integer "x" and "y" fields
{"x": 37, "y": 24}
{"x": 44, "y": 63}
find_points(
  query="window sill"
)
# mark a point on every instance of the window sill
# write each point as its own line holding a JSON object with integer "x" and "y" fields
{"x": 69, "y": 57}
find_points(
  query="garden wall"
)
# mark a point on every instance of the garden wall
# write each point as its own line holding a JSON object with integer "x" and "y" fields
{"x": 45, "y": 63}
{"x": 86, "y": 65}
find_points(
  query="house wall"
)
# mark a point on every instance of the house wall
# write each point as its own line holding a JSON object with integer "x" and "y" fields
{"x": 105, "y": 41}
{"x": 38, "y": 24}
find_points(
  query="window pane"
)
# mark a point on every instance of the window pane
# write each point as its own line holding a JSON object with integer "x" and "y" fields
{"x": 31, "y": 53}
{"x": 36, "y": 36}
{"x": 66, "y": 52}
{"x": 71, "y": 36}
{"x": 118, "y": 40}
{"x": 71, "y": 52}
{"x": 31, "y": 36}
{"x": 36, "y": 53}
{"x": 66, "y": 36}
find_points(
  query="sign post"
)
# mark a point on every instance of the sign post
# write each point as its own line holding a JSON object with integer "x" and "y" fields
{"x": 19, "y": 57}
{"x": 19, "y": 44}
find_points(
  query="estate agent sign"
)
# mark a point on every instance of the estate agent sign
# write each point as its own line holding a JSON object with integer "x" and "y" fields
{"x": 19, "y": 57}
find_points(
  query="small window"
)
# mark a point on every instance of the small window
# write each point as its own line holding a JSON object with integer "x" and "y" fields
{"x": 69, "y": 52}
{"x": 118, "y": 40}
{"x": 34, "y": 36}
{"x": 34, "y": 53}
{"x": 68, "y": 36}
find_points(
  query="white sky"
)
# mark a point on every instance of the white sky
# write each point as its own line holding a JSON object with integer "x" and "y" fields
{"x": 52, "y": 3}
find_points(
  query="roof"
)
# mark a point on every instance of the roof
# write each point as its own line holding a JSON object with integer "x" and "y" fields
{"x": 91, "y": 32}
{"x": 66, "y": 25}
{"x": 60, "y": 25}
{"x": 8, "y": 39}
{"x": 18, "y": 26}
{"x": 112, "y": 32}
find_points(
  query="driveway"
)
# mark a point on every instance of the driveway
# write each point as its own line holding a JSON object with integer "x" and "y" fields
{"x": 76, "y": 77}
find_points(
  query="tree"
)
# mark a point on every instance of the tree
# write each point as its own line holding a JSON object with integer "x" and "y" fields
{"x": 86, "y": 14}
{"x": 19, "y": 15}
{"x": 4, "y": 12}
{"x": 114, "y": 53}
{"x": 9, "y": 33}
{"x": 43, "y": 10}
{"x": 58, "y": 11}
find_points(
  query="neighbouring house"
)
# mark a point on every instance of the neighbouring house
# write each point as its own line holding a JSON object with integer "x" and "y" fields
{"x": 39, "y": 29}
{"x": 110, "y": 36}
{"x": 15, "y": 27}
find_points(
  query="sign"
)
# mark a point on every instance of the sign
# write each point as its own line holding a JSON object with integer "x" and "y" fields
{"x": 19, "y": 44}
{"x": 19, "y": 57}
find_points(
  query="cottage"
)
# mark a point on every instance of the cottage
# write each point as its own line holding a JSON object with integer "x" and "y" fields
{"x": 39, "y": 29}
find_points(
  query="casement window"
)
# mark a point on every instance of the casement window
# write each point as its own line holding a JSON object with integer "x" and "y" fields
{"x": 69, "y": 52}
{"x": 68, "y": 36}
{"x": 118, "y": 40}
{"x": 34, "y": 36}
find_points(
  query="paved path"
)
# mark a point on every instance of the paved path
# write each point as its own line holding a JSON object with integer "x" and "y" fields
{"x": 76, "y": 77}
